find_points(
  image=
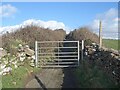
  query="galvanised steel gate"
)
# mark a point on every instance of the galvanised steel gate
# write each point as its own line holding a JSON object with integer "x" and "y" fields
{"x": 57, "y": 53}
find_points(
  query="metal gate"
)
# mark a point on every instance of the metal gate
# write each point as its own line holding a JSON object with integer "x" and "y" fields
{"x": 57, "y": 53}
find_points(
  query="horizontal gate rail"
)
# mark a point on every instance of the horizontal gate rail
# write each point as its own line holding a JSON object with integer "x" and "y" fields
{"x": 66, "y": 59}
{"x": 60, "y": 53}
{"x": 55, "y": 41}
{"x": 63, "y": 63}
{"x": 62, "y": 66}
{"x": 58, "y": 56}
{"x": 56, "y": 47}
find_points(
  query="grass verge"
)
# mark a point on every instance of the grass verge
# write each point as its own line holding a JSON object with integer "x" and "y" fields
{"x": 18, "y": 76}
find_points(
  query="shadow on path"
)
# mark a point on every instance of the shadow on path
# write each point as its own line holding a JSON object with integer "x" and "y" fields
{"x": 40, "y": 83}
{"x": 69, "y": 79}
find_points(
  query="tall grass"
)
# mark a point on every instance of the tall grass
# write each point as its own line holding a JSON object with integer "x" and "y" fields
{"x": 90, "y": 76}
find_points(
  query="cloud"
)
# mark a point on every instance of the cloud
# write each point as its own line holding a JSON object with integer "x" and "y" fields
{"x": 109, "y": 23}
{"x": 7, "y": 10}
{"x": 45, "y": 24}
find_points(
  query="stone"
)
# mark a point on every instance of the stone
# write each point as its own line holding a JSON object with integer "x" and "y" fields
{"x": 18, "y": 54}
{"x": 32, "y": 61}
{"x": 90, "y": 51}
{"x": 22, "y": 54}
{"x": 29, "y": 58}
{"x": 2, "y": 66}
{"x": 20, "y": 45}
{"x": 4, "y": 74}
{"x": 6, "y": 62}
{"x": 2, "y": 52}
{"x": 22, "y": 59}
{"x": 20, "y": 48}
{"x": 15, "y": 62}
{"x": 96, "y": 54}
{"x": 1, "y": 48}
{"x": 108, "y": 59}
{"x": 112, "y": 54}
{"x": 113, "y": 72}
{"x": 28, "y": 51}
{"x": 14, "y": 83}
{"x": 86, "y": 53}
{"x": 7, "y": 70}
{"x": 94, "y": 50}
{"x": 33, "y": 57}
{"x": 16, "y": 66}
{"x": 116, "y": 57}
{"x": 32, "y": 64}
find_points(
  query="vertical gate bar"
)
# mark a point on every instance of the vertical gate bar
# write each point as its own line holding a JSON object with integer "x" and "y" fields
{"x": 58, "y": 53}
{"x": 78, "y": 53}
{"x": 36, "y": 54}
{"x": 82, "y": 49}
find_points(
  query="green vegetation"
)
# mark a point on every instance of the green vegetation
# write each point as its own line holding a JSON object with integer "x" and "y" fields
{"x": 90, "y": 76}
{"x": 18, "y": 76}
{"x": 110, "y": 43}
{"x": 88, "y": 42}
{"x": 11, "y": 45}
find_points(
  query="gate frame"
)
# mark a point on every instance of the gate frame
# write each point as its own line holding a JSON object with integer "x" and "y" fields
{"x": 78, "y": 50}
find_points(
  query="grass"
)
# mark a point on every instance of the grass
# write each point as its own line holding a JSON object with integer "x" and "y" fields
{"x": 17, "y": 77}
{"x": 89, "y": 76}
{"x": 110, "y": 43}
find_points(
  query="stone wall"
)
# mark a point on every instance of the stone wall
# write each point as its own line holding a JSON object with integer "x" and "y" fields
{"x": 9, "y": 62}
{"x": 106, "y": 59}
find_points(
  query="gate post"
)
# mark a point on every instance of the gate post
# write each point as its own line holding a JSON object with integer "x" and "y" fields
{"x": 78, "y": 54}
{"x": 36, "y": 54}
{"x": 82, "y": 49}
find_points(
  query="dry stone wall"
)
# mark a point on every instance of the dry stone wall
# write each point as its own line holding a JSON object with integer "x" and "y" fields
{"x": 10, "y": 62}
{"x": 106, "y": 59}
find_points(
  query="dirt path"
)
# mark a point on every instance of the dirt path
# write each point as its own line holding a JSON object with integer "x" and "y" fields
{"x": 48, "y": 78}
{"x": 53, "y": 78}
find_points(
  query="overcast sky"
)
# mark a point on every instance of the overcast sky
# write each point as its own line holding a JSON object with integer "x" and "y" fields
{"x": 68, "y": 16}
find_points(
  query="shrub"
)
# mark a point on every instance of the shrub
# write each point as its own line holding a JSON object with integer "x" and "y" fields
{"x": 83, "y": 34}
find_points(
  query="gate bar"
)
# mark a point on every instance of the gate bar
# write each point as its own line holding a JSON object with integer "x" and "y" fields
{"x": 36, "y": 51}
{"x": 36, "y": 54}
{"x": 78, "y": 53}
{"x": 82, "y": 49}
{"x": 55, "y": 41}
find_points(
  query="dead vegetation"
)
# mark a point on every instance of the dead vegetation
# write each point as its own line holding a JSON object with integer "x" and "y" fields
{"x": 83, "y": 33}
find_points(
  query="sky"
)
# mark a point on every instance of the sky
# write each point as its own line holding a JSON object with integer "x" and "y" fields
{"x": 66, "y": 15}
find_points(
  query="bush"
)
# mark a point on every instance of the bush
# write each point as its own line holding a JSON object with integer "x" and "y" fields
{"x": 88, "y": 42}
{"x": 11, "y": 45}
{"x": 83, "y": 34}
{"x": 30, "y": 34}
